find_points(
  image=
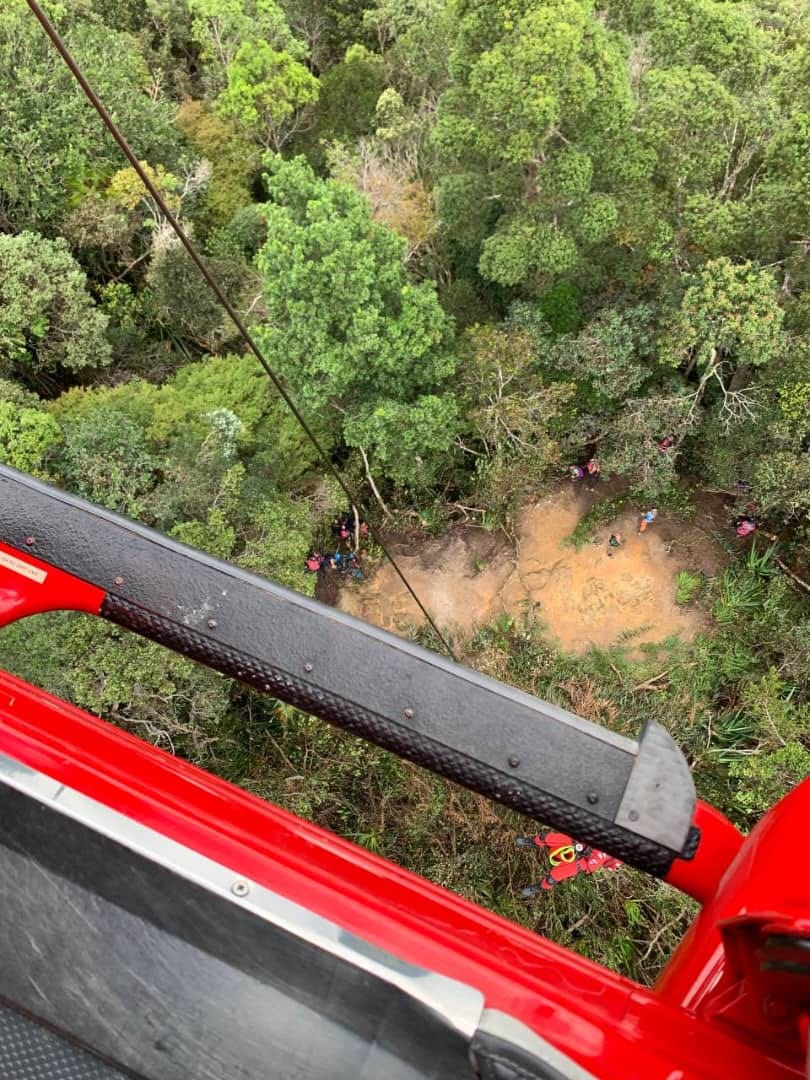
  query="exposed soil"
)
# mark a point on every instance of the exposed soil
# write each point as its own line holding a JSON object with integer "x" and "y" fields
{"x": 469, "y": 577}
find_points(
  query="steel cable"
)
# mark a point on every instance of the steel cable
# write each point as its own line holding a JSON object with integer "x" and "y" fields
{"x": 213, "y": 284}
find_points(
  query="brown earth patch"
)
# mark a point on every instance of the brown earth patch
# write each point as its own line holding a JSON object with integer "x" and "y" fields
{"x": 583, "y": 598}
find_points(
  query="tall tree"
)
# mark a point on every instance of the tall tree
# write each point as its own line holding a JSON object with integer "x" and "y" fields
{"x": 531, "y": 134}
{"x": 221, "y": 27}
{"x": 267, "y": 93}
{"x": 344, "y": 323}
{"x": 346, "y": 328}
{"x": 729, "y": 322}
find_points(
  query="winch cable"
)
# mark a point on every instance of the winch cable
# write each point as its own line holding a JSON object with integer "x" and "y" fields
{"x": 222, "y": 299}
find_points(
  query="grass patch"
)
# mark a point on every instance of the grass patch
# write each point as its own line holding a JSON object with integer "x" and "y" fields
{"x": 687, "y": 586}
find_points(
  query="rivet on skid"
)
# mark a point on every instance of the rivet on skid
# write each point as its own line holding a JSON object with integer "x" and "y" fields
{"x": 240, "y": 888}
{"x": 514, "y": 761}
{"x": 30, "y": 540}
{"x": 408, "y": 714}
{"x": 212, "y": 623}
{"x": 119, "y": 581}
{"x": 307, "y": 667}
{"x": 592, "y": 798}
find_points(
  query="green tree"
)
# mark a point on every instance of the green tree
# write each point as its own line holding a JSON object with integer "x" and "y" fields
{"x": 47, "y": 318}
{"x": 105, "y": 457}
{"x": 54, "y": 148}
{"x": 610, "y": 358}
{"x": 721, "y": 38}
{"x": 234, "y": 162}
{"x": 688, "y": 120}
{"x": 344, "y": 324}
{"x": 729, "y": 323}
{"x": 629, "y": 444}
{"x": 347, "y": 98}
{"x": 279, "y": 532}
{"x": 17, "y": 394}
{"x": 180, "y": 304}
{"x": 513, "y": 416}
{"x": 408, "y": 442}
{"x": 221, "y": 27}
{"x": 156, "y": 694}
{"x": 416, "y": 39}
{"x": 267, "y": 93}
{"x": 327, "y": 27}
{"x": 538, "y": 108}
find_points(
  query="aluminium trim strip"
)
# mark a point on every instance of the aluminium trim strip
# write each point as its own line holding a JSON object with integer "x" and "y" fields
{"x": 459, "y": 1004}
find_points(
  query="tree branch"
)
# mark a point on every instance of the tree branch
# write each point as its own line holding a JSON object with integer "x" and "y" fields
{"x": 373, "y": 486}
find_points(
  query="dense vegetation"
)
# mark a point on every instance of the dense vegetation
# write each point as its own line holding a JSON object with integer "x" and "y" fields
{"x": 474, "y": 240}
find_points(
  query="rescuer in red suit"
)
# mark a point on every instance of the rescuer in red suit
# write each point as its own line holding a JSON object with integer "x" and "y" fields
{"x": 567, "y": 857}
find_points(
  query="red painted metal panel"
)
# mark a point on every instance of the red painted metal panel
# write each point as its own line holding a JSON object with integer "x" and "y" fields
{"x": 698, "y": 1023}
{"x": 608, "y": 1024}
{"x": 730, "y": 968}
{"x": 29, "y": 586}
{"x": 719, "y": 843}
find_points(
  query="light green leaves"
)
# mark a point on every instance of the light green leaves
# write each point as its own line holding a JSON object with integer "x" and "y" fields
{"x": 26, "y": 436}
{"x": 266, "y": 91}
{"x": 729, "y": 311}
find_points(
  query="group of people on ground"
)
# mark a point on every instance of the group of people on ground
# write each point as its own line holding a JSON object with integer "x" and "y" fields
{"x": 744, "y": 524}
{"x": 346, "y": 529}
{"x": 348, "y": 563}
{"x": 615, "y": 540}
{"x": 589, "y": 472}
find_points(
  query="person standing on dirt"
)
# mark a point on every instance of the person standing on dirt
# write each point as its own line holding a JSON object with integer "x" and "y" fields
{"x": 647, "y": 518}
{"x": 614, "y": 543}
{"x": 593, "y": 469}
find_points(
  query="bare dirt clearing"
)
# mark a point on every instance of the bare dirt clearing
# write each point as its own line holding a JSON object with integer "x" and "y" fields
{"x": 583, "y": 598}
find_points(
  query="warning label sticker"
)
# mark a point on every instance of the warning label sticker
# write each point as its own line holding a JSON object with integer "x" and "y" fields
{"x": 33, "y": 573}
